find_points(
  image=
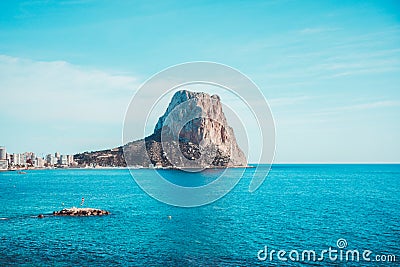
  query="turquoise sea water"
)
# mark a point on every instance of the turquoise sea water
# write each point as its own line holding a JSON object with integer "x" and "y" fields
{"x": 302, "y": 207}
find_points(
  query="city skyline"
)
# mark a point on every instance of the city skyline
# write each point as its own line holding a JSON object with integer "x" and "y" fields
{"x": 27, "y": 159}
{"x": 330, "y": 71}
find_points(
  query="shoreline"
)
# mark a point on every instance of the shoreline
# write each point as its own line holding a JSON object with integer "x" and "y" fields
{"x": 123, "y": 168}
{"x": 252, "y": 165}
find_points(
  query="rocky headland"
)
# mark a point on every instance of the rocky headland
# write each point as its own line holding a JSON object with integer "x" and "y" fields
{"x": 193, "y": 132}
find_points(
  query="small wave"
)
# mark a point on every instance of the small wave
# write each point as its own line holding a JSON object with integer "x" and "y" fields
{"x": 3, "y": 218}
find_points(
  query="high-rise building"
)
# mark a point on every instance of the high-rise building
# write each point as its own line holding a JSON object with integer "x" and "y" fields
{"x": 3, "y": 153}
{"x": 3, "y": 158}
{"x": 51, "y": 160}
{"x": 23, "y": 158}
{"x": 39, "y": 163}
{"x": 70, "y": 159}
{"x": 16, "y": 159}
{"x": 64, "y": 160}
{"x": 57, "y": 155}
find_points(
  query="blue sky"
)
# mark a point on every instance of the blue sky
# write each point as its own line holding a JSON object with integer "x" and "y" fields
{"x": 329, "y": 69}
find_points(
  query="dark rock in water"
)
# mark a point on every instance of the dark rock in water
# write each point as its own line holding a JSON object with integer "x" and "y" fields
{"x": 80, "y": 212}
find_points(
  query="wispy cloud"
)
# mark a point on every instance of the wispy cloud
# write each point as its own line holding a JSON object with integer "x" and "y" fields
{"x": 63, "y": 91}
{"x": 369, "y": 105}
{"x": 363, "y": 66}
{"x": 330, "y": 114}
{"x": 305, "y": 56}
{"x": 315, "y": 30}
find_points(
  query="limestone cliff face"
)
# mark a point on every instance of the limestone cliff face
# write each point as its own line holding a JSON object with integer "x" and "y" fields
{"x": 195, "y": 117}
{"x": 192, "y": 133}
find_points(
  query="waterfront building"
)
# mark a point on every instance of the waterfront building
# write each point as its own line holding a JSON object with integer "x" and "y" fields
{"x": 3, "y": 153}
{"x": 70, "y": 159}
{"x": 3, "y": 164}
{"x": 16, "y": 159}
{"x": 24, "y": 158}
{"x": 3, "y": 158}
{"x": 39, "y": 163}
{"x": 63, "y": 160}
{"x": 51, "y": 160}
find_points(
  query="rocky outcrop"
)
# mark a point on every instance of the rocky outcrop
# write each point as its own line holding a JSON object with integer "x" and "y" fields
{"x": 80, "y": 212}
{"x": 192, "y": 133}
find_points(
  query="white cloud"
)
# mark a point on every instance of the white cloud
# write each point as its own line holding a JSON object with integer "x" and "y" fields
{"x": 58, "y": 90}
{"x": 58, "y": 106}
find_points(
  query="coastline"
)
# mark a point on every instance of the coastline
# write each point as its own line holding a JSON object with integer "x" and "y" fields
{"x": 121, "y": 168}
{"x": 250, "y": 166}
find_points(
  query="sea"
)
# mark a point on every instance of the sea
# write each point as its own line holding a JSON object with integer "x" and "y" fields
{"x": 313, "y": 208}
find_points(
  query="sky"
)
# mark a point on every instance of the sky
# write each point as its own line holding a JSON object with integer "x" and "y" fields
{"x": 330, "y": 70}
